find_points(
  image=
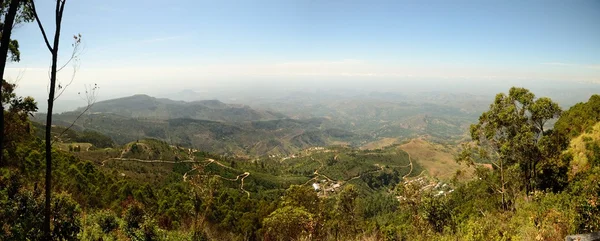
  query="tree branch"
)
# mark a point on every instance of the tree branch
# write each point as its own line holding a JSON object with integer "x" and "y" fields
{"x": 37, "y": 19}
{"x": 68, "y": 84}
{"x": 91, "y": 100}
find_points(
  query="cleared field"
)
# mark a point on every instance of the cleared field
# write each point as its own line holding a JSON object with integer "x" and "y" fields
{"x": 83, "y": 146}
{"x": 387, "y": 141}
{"x": 436, "y": 159}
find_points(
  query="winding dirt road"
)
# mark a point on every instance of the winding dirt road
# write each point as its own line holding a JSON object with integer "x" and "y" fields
{"x": 185, "y": 175}
{"x": 380, "y": 170}
{"x": 238, "y": 177}
{"x": 411, "y": 167}
{"x": 145, "y": 161}
{"x": 317, "y": 174}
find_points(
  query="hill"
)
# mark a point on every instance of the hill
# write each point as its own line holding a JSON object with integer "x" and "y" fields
{"x": 585, "y": 150}
{"x": 438, "y": 160}
{"x": 384, "y": 115}
{"x": 144, "y": 106}
{"x": 255, "y": 138}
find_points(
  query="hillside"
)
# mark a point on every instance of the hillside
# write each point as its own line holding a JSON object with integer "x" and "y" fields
{"x": 585, "y": 150}
{"x": 255, "y": 138}
{"x": 144, "y": 106}
{"x": 369, "y": 169}
{"x": 384, "y": 115}
{"x": 240, "y": 130}
{"x": 243, "y": 180}
{"x": 438, "y": 160}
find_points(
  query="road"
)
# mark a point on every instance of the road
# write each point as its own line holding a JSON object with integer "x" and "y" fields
{"x": 411, "y": 167}
{"x": 185, "y": 175}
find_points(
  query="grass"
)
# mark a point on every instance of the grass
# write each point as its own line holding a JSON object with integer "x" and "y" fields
{"x": 578, "y": 148}
{"x": 436, "y": 159}
{"x": 383, "y": 142}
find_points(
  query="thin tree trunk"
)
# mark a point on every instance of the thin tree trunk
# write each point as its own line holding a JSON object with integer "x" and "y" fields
{"x": 503, "y": 187}
{"x": 59, "y": 10}
{"x": 9, "y": 20}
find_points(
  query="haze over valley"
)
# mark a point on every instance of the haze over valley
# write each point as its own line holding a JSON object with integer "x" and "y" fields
{"x": 300, "y": 120}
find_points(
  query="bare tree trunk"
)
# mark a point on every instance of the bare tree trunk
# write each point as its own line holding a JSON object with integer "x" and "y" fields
{"x": 503, "y": 184}
{"x": 60, "y": 5}
{"x": 9, "y": 20}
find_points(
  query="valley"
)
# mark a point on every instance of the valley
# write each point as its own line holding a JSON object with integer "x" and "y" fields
{"x": 254, "y": 168}
{"x": 299, "y": 120}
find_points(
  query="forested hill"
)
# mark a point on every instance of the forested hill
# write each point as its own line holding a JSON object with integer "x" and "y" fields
{"x": 144, "y": 106}
{"x": 273, "y": 137}
{"x": 539, "y": 184}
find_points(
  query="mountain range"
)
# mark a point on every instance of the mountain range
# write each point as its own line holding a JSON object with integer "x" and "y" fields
{"x": 275, "y": 126}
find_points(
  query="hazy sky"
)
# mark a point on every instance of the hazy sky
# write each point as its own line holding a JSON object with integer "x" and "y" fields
{"x": 131, "y": 46}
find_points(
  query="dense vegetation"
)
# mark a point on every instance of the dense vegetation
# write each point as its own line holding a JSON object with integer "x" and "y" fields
{"x": 240, "y": 130}
{"x": 273, "y": 137}
{"x": 150, "y": 190}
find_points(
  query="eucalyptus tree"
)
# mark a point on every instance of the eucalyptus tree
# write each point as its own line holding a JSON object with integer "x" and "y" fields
{"x": 514, "y": 134}
{"x": 53, "y": 48}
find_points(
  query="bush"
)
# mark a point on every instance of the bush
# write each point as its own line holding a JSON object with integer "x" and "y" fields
{"x": 133, "y": 217}
{"x": 107, "y": 220}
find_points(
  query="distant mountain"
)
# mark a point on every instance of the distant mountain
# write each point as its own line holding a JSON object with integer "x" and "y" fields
{"x": 187, "y": 95}
{"x": 387, "y": 115}
{"x": 273, "y": 137}
{"x": 144, "y": 106}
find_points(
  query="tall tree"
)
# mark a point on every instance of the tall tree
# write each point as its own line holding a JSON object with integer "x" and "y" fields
{"x": 4, "y": 43}
{"x": 58, "y": 15}
{"x": 14, "y": 13}
{"x": 23, "y": 14}
{"x": 512, "y": 133}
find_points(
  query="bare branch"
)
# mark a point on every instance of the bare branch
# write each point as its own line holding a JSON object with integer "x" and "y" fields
{"x": 37, "y": 19}
{"x": 63, "y": 88}
{"x": 76, "y": 52}
{"x": 90, "y": 97}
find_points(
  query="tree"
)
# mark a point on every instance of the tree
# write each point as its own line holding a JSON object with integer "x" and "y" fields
{"x": 11, "y": 17}
{"x": 288, "y": 223}
{"x": 17, "y": 125}
{"x": 511, "y": 133}
{"x": 23, "y": 14}
{"x": 579, "y": 117}
{"x": 347, "y": 209}
{"x": 301, "y": 196}
{"x": 59, "y": 10}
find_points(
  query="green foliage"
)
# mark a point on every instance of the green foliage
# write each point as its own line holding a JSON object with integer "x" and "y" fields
{"x": 65, "y": 213}
{"x": 17, "y": 128}
{"x": 64, "y": 135}
{"x": 135, "y": 200}
{"x": 301, "y": 196}
{"x": 24, "y": 14}
{"x": 437, "y": 212}
{"x": 347, "y": 209}
{"x": 22, "y": 211}
{"x": 579, "y": 118}
{"x": 152, "y": 149}
{"x": 288, "y": 223}
{"x": 511, "y": 134}
{"x": 107, "y": 220}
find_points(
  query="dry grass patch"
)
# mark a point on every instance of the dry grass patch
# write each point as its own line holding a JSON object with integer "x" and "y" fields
{"x": 379, "y": 144}
{"x": 436, "y": 159}
{"x": 578, "y": 148}
{"x": 82, "y": 146}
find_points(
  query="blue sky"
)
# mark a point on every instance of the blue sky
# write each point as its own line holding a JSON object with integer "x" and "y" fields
{"x": 197, "y": 42}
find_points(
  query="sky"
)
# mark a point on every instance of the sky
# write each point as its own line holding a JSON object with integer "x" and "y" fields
{"x": 151, "y": 46}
